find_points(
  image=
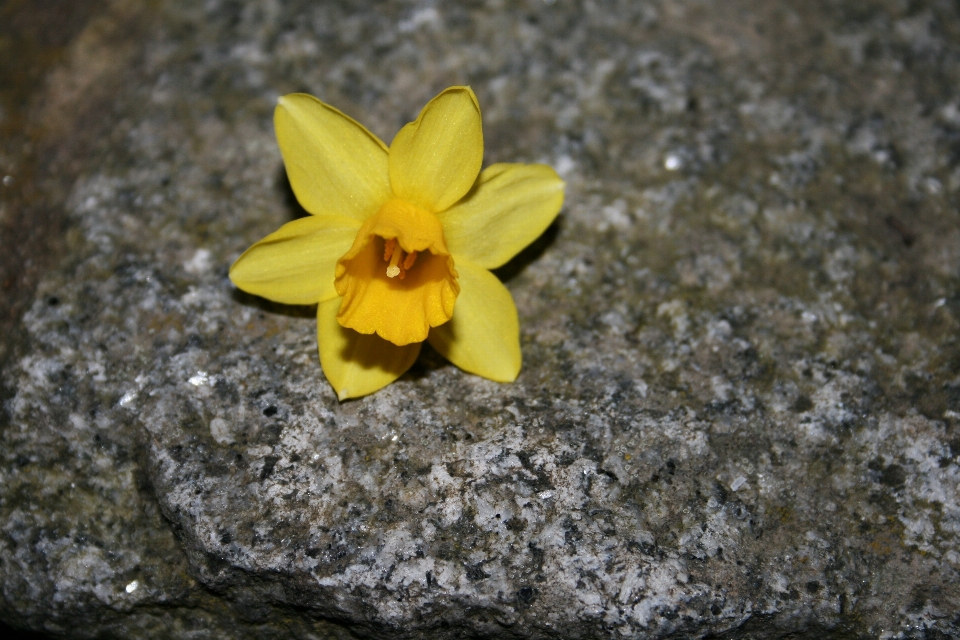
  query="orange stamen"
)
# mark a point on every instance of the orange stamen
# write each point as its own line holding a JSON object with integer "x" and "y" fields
{"x": 409, "y": 260}
{"x": 399, "y": 263}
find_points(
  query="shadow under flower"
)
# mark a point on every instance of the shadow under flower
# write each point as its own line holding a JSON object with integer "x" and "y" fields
{"x": 290, "y": 310}
{"x": 531, "y": 252}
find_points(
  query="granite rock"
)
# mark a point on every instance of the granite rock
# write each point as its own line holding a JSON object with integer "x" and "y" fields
{"x": 739, "y": 413}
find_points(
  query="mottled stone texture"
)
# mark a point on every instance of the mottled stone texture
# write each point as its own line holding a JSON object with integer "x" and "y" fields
{"x": 739, "y": 413}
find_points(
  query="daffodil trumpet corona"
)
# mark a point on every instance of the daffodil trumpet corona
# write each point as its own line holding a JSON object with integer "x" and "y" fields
{"x": 400, "y": 240}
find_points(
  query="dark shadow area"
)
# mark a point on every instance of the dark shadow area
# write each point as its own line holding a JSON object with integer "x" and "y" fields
{"x": 533, "y": 251}
{"x": 428, "y": 360}
{"x": 34, "y": 38}
{"x": 9, "y": 633}
{"x": 907, "y": 236}
{"x": 290, "y": 310}
{"x": 294, "y": 208}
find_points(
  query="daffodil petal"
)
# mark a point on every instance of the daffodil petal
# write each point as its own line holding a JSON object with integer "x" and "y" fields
{"x": 435, "y": 159}
{"x": 335, "y": 166}
{"x": 483, "y": 336}
{"x": 356, "y": 364}
{"x": 510, "y": 206}
{"x": 296, "y": 263}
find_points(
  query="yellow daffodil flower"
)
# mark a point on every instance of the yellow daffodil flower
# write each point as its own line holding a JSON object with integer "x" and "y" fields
{"x": 400, "y": 241}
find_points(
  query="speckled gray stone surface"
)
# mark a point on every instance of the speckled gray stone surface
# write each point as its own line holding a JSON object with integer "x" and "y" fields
{"x": 739, "y": 413}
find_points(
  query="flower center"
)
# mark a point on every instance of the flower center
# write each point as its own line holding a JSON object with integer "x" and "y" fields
{"x": 400, "y": 262}
{"x": 394, "y": 300}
